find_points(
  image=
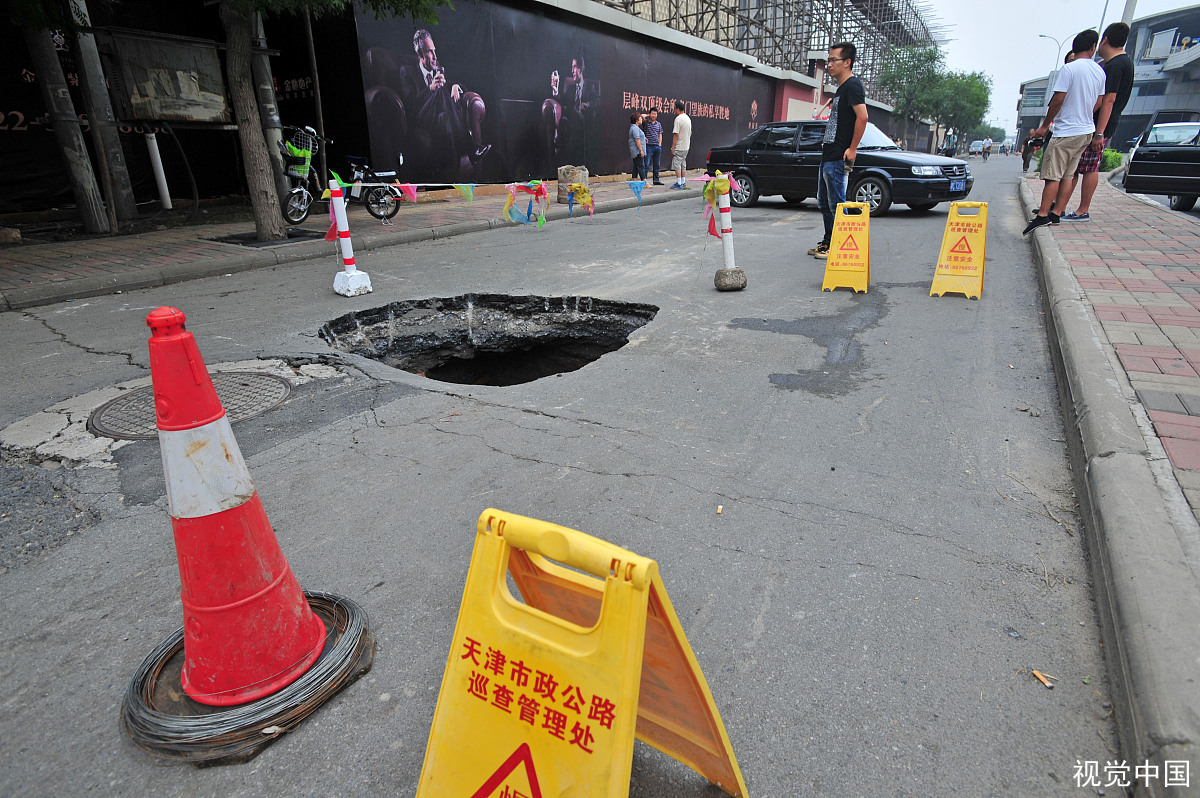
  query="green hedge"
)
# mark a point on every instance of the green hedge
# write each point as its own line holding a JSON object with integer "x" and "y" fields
{"x": 1109, "y": 161}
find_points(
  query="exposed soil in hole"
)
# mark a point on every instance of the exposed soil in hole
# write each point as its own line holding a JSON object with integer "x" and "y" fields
{"x": 488, "y": 339}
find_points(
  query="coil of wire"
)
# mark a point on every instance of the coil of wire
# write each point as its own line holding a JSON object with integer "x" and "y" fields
{"x": 237, "y": 734}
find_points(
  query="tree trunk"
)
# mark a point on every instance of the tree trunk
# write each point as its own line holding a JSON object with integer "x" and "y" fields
{"x": 268, "y": 221}
{"x": 268, "y": 108}
{"x": 57, "y": 97}
{"x": 100, "y": 114}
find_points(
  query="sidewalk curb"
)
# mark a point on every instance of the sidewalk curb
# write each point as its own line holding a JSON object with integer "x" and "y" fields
{"x": 48, "y": 293}
{"x": 1147, "y": 596}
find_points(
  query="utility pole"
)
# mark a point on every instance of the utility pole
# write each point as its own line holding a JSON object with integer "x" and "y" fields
{"x": 1130, "y": 6}
{"x": 57, "y": 97}
{"x": 268, "y": 107}
{"x": 107, "y": 139}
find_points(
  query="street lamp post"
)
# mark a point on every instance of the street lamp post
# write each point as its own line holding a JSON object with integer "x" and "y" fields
{"x": 1057, "y": 54}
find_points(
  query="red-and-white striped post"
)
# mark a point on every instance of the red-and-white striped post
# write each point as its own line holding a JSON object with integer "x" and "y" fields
{"x": 729, "y": 278}
{"x": 726, "y": 223}
{"x": 350, "y": 281}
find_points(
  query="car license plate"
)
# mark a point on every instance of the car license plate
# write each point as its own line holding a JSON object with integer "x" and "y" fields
{"x": 958, "y": 185}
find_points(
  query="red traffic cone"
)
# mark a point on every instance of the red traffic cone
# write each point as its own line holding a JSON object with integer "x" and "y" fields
{"x": 248, "y": 629}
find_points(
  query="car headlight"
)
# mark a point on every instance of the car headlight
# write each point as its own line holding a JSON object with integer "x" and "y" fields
{"x": 927, "y": 171}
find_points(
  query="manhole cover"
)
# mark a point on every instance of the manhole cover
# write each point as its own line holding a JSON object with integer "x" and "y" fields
{"x": 489, "y": 339}
{"x": 243, "y": 394}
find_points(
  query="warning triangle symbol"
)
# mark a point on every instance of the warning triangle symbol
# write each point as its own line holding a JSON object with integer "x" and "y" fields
{"x": 498, "y": 786}
{"x": 849, "y": 245}
{"x": 962, "y": 247}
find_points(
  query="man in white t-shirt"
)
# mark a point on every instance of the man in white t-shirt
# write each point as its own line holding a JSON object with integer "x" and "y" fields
{"x": 681, "y": 140}
{"x": 1077, "y": 94}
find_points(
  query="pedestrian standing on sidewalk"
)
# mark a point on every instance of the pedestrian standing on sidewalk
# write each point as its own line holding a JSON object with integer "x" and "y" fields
{"x": 654, "y": 133}
{"x": 637, "y": 146}
{"x": 1118, "y": 85}
{"x": 681, "y": 142}
{"x": 1077, "y": 94}
{"x": 847, "y": 123}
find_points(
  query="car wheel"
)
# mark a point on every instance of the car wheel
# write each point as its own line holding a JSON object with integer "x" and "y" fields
{"x": 742, "y": 190}
{"x": 922, "y": 206}
{"x": 1182, "y": 202}
{"x": 875, "y": 192}
{"x": 794, "y": 199}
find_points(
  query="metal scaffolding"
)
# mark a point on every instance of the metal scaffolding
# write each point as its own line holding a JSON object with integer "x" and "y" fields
{"x": 783, "y": 33}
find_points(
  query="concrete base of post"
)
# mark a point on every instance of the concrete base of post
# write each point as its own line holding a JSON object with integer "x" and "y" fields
{"x": 354, "y": 283}
{"x": 730, "y": 280}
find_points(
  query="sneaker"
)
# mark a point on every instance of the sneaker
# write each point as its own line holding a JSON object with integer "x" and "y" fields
{"x": 676, "y": 185}
{"x": 820, "y": 244}
{"x": 821, "y": 251}
{"x": 1054, "y": 218}
{"x": 1038, "y": 221}
{"x": 1076, "y": 217}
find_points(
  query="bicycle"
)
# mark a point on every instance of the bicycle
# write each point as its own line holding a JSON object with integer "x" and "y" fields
{"x": 297, "y": 160}
{"x": 382, "y": 202}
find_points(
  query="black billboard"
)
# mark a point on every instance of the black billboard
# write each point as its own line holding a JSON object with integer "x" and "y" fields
{"x": 496, "y": 94}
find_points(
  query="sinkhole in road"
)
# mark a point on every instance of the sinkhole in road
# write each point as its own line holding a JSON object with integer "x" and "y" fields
{"x": 488, "y": 339}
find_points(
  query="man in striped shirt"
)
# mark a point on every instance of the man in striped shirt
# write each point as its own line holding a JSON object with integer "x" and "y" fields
{"x": 654, "y": 144}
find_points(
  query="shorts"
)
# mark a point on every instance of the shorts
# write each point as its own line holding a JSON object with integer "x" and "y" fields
{"x": 679, "y": 160}
{"x": 1090, "y": 160}
{"x": 1062, "y": 155}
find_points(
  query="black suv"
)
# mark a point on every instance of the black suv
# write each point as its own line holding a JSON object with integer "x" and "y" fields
{"x": 785, "y": 158}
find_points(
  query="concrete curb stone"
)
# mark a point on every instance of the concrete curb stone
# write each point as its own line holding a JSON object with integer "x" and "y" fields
{"x": 1146, "y": 591}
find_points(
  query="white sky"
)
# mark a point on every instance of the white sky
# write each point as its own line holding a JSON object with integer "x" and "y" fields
{"x": 1000, "y": 39}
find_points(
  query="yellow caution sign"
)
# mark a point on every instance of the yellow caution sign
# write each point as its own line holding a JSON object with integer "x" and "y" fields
{"x": 964, "y": 248}
{"x": 545, "y": 697}
{"x": 849, "y": 261}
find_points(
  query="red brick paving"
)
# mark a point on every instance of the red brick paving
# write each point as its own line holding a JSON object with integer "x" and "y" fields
{"x": 1129, "y": 237}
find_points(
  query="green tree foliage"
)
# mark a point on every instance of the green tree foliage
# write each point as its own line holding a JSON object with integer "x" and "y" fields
{"x": 960, "y": 100}
{"x": 910, "y": 77}
{"x": 982, "y": 131}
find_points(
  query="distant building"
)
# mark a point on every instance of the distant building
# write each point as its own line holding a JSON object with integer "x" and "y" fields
{"x": 1165, "y": 49}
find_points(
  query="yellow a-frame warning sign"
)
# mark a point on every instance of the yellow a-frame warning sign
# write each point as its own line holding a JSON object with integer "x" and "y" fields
{"x": 849, "y": 262}
{"x": 964, "y": 248}
{"x": 569, "y": 677}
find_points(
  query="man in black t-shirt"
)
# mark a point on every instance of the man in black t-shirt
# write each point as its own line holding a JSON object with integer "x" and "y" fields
{"x": 847, "y": 123}
{"x": 1118, "y": 84}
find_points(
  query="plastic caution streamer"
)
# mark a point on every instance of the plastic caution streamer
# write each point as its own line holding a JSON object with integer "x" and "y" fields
{"x": 712, "y": 187}
{"x": 578, "y": 192}
{"x": 537, "y": 193}
{"x": 964, "y": 247}
{"x": 544, "y": 698}
{"x": 849, "y": 262}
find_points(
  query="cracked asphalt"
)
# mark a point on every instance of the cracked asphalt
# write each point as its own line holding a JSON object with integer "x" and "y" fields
{"x": 898, "y": 545}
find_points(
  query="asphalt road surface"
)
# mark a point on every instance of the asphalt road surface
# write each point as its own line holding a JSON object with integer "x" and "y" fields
{"x": 897, "y": 549}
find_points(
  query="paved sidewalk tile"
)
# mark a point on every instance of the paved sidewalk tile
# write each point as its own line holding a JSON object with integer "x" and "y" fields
{"x": 1139, "y": 267}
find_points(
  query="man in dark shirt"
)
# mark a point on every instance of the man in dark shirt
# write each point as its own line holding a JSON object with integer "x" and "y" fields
{"x": 847, "y": 123}
{"x": 654, "y": 133}
{"x": 1118, "y": 84}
